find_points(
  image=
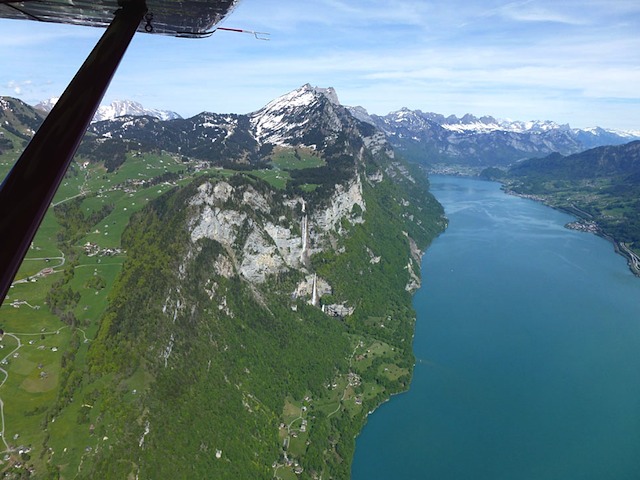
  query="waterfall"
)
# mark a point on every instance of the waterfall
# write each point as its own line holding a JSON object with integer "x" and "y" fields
{"x": 314, "y": 293}
{"x": 305, "y": 235}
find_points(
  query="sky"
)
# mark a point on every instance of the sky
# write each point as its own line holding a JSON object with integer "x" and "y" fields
{"x": 575, "y": 62}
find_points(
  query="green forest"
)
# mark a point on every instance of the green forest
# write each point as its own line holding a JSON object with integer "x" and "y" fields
{"x": 128, "y": 354}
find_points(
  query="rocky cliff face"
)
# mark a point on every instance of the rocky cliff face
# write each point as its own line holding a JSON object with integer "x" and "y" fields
{"x": 264, "y": 234}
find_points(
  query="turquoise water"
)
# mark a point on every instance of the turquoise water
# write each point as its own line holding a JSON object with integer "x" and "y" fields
{"x": 528, "y": 353}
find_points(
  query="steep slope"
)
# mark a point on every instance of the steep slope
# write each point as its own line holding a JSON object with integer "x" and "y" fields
{"x": 262, "y": 311}
{"x": 306, "y": 116}
{"x": 18, "y": 123}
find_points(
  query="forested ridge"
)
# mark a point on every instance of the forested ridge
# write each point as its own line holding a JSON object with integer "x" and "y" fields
{"x": 233, "y": 309}
{"x": 231, "y": 369}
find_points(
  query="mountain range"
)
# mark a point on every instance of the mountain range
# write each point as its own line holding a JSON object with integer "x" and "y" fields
{"x": 432, "y": 139}
{"x": 117, "y": 108}
{"x": 429, "y": 138}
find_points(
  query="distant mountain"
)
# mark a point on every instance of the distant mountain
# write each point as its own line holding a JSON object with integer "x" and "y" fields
{"x": 620, "y": 161}
{"x": 18, "y": 123}
{"x": 431, "y": 138}
{"x": 600, "y": 186}
{"x": 596, "y": 137}
{"x": 117, "y": 108}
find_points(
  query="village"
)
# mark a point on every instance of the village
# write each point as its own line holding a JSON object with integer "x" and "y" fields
{"x": 92, "y": 249}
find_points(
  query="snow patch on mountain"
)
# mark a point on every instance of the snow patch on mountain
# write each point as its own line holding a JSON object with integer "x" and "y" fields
{"x": 630, "y": 134}
{"x": 117, "y": 108}
{"x": 279, "y": 121}
{"x": 493, "y": 125}
{"x": 47, "y": 105}
{"x": 432, "y": 137}
{"x": 272, "y": 124}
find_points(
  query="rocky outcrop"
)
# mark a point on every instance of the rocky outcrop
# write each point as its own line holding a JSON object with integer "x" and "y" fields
{"x": 311, "y": 283}
{"x": 259, "y": 245}
{"x": 260, "y": 257}
{"x": 342, "y": 206}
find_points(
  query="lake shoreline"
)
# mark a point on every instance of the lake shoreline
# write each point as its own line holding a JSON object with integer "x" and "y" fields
{"x": 498, "y": 361}
{"x": 585, "y": 224}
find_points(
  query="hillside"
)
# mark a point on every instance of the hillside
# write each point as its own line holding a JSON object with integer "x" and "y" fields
{"x": 600, "y": 186}
{"x": 18, "y": 122}
{"x": 225, "y": 296}
{"x": 615, "y": 162}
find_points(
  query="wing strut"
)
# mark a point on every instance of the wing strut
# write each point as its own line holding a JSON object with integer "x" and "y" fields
{"x": 27, "y": 191}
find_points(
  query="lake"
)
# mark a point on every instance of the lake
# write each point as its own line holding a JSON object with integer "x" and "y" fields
{"x": 527, "y": 352}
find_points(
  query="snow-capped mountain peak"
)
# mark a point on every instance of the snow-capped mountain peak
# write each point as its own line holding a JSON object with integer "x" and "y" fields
{"x": 631, "y": 134}
{"x": 285, "y": 117}
{"x": 434, "y": 138}
{"x": 117, "y": 108}
{"x": 47, "y": 105}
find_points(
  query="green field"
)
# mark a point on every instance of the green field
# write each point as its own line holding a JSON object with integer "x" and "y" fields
{"x": 296, "y": 158}
{"x": 286, "y": 159}
{"x": 67, "y": 412}
{"x": 37, "y": 345}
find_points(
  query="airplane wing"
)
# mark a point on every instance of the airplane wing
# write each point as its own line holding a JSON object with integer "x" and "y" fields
{"x": 27, "y": 191}
{"x": 181, "y": 18}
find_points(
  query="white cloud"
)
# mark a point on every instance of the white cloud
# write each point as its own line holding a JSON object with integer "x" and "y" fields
{"x": 448, "y": 53}
{"x": 528, "y": 11}
{"x": 19, "y": 87}
{"x": 14, "y": 87}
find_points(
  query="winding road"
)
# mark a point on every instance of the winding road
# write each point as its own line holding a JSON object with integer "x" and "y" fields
{"x": 6, "y": 373}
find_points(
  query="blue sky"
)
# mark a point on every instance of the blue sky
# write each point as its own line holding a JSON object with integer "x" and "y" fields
{"x": 574, "y": 62}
